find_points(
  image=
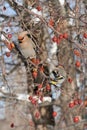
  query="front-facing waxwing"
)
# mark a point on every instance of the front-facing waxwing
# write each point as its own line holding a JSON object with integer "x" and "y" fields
{"x": 26, "y": 45}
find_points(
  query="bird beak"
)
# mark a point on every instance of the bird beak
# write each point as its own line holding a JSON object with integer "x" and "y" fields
{"x": 22, "y": 34}
{"x": 20, "y": 39}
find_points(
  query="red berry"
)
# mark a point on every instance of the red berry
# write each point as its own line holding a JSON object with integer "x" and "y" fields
{"x": 37, "y": 114}
{"x": 71, "y": 104}
{"x": 33, "y": 101}
{"x": 76, "y": 119}
{"x": 54, "y": 114}
{"x": 76, "y": 102}
{"x": 76, "y": 52}
{"x": 41, "y": 98}
{"x": 39, "y": 8}
{"x": 51, "y": 22}
{"x": 79, "y": 101}
{"x": 54, "y": 39}
{"x": 85, "y": 35}
{"x": 77, "y": 64}
{"x": 30, "y": 97}
{"x": 61, "y": 37}
{"x": 12, "y": 125}
{"x": 65, "y": 35}
{"x": 9, "y": 35}
{"x": 8, "y": 54}
{"x": 70, "y": 80}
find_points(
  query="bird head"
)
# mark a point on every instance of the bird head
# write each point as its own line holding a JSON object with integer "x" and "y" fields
{"x": 57, "y": 72}
{"x": 22, "y": 36}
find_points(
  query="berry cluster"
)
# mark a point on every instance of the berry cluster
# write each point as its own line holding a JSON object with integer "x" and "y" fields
{"x": 59, "y": 38}
{"x": 75, "y": 102}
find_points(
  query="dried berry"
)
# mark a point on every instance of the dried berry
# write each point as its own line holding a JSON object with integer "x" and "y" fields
{"x": 4, "y": 8}
{"x": 70, "y": 80}
{"x": 8, "y": 54}
{"x": 12, "y": 125}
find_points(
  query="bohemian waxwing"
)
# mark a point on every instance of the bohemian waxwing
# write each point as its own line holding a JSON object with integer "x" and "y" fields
{"x": 58, "y": 76}
{"x": 26, "y": 45}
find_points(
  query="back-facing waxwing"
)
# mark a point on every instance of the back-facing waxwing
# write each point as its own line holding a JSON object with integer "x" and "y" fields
{"x": 26, "y": 45}
{"x": 58, "y": 76}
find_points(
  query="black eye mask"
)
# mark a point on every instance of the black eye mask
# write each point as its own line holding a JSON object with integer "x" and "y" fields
{"x": 56, "y": 74}
{"x": 21, "y": 39}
